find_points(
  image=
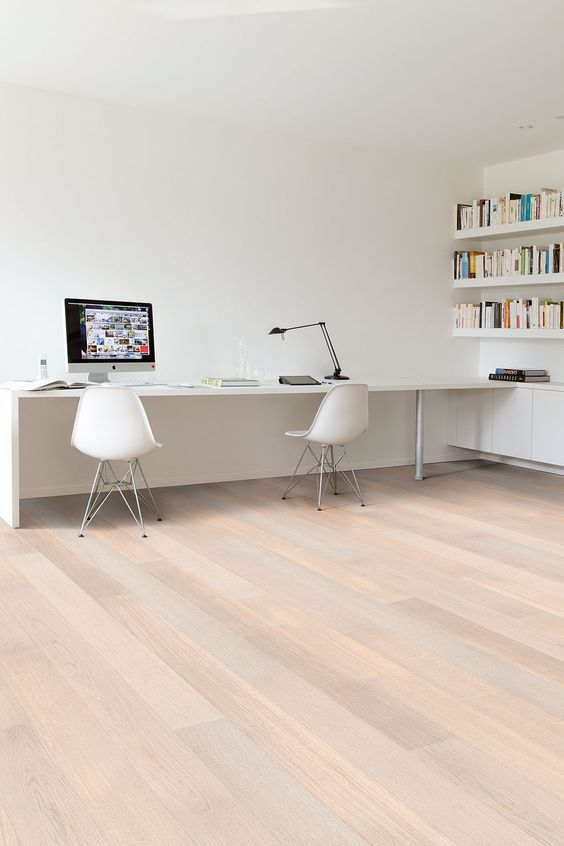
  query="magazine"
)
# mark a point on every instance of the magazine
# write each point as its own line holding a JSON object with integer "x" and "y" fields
{"x": 42, "y": 385}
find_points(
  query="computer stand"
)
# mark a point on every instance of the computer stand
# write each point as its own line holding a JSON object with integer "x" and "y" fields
{"x": 98, "y": 378}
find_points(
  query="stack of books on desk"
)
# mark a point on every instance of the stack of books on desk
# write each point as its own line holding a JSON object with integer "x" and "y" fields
{"x": 228, "y": 382}
{"x": 508, "y": 374}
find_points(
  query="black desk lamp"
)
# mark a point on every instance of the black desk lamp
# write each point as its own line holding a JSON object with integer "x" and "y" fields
{"x": 337, "y": 374}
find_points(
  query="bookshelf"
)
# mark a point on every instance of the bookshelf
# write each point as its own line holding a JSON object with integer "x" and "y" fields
{"x": 538, "y": 334}
{"x": 511, "y": 281}
{"x": 549, "y": 224}
{"x": 545, "y": 211}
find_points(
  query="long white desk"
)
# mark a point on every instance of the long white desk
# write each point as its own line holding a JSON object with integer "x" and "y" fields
{"x": 14, "y": 432}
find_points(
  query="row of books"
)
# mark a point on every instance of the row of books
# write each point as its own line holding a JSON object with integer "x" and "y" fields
{"x": 510, "y": 314}
{"x": 510, "y": 208}
{"x": 509, "y": 374}
{"x": 518, "y": 261}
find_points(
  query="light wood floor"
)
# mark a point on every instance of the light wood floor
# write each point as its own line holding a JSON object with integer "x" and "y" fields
{"x": 257, "y": 673}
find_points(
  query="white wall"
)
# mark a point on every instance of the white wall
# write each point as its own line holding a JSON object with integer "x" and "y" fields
{"x": 523, "y": 176}
{"x": 228, "y": 232}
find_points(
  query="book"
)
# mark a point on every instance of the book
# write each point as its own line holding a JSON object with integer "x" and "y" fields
{"x": 42, "y": 385}
{"x": 517, "y": 261}
{"x": 510, "y": 371}
{"x": 463, "y": 215}
{"x": 510, "y": 314}
{"x": 228, "y": 382}
{"x": 509, "y": 377}
{"x": 510, "y": 208}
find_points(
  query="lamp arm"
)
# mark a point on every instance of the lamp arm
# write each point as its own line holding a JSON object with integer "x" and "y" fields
{"x": 303, "y": 326}
{"x": 331, "y": 348}
{"x": 337, "y": 371}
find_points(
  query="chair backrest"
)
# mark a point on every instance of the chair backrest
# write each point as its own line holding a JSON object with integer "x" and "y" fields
{"x": 111, "y": 423}
{"x": 342, "y": 416}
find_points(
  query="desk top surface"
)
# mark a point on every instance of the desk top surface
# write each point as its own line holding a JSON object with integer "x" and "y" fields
{"x": 275, "y": 389}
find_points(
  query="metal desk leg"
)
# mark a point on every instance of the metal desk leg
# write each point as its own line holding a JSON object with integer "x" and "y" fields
{"x": 419, "y": 434}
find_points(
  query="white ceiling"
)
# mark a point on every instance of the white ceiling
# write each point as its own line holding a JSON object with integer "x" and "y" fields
{"x": 452, "y": 77}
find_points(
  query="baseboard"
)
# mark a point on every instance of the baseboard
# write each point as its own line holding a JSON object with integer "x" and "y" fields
{"x": 521, "y": 462}
{"x": 236, "y": 476}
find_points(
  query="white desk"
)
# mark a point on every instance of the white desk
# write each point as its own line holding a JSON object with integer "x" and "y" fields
{"x": 14, "y": 441}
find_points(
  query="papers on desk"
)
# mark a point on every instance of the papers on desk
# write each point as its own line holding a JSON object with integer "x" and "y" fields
{"x": 42, "y": 385}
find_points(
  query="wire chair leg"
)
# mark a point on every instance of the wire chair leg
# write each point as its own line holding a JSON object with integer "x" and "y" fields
{"x": 91, "y": 498}
{"x": 320, "y": 477}
{"x": 355, "y": 486}
{"x": 149, "y": 491}
{"x": 290, "y": 485}
{"x": 134, "y": 486}
{"x": 334, "y": 470}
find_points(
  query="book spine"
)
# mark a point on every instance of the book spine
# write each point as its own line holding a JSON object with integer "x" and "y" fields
{"x": 510, "y": 314}
{"x": 547, "y": 204}
{"x": 508, "y": 371}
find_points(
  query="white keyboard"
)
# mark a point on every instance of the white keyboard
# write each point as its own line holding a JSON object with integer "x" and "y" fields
{"x": 140, "y": 384}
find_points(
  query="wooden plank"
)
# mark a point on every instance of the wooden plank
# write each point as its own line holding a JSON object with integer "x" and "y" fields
{"x": 186, "y": 789}
{"x": 163, "y": 690}
{"x": 257, "y": 673}
{"x": 266, "y": 787}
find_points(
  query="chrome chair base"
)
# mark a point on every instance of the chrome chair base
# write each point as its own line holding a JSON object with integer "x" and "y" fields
{"x": 104, "y": 486}
{"x": 328, "y": 472}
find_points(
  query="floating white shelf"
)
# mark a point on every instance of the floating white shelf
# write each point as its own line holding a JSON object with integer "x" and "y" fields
{"x": 545, "y": 334}
{"x": 549, "y": 224}
{"x": 511, "y": 281}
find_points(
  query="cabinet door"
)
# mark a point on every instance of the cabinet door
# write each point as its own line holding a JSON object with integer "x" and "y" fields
{"x": 474, "y": 417}
{"x": 548, "y": 427}
{"x": 512, "y": 422}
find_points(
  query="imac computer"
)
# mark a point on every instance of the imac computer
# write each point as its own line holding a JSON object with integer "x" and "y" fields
{"x": 105, "y": 336}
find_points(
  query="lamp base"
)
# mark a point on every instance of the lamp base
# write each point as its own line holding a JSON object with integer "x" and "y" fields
{"x": 337, "y": 377}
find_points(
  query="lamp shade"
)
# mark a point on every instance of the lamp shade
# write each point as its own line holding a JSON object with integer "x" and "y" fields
{"x": 277, "y": 331}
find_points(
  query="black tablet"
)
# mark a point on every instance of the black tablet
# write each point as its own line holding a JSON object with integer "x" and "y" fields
{"x": 298, "y": 380}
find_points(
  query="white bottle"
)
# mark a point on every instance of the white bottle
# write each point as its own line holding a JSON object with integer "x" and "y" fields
{"x": 242, "y": 359}
{"x": 43, "y": 366}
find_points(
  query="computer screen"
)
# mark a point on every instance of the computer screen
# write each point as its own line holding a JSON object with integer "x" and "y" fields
{"x": 109, "y": 332}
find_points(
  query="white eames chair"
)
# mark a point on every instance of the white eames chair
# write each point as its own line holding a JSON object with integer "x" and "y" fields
{"x": 341, "y": 418}
{"x": 111, "y": 425}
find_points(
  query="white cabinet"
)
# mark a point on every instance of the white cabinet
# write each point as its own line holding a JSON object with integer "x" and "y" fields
{"x": 521, "y": 422}
{"x": 512, "y": 422}
{"x": 474, "y": 419}
{"x": 548, "y": 427}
